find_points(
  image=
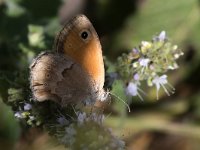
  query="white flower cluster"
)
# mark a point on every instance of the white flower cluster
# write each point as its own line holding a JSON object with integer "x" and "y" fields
{"x": 25, "y": 113}
{"x": 89, "y": 133}
{"x": 149, "y": 63}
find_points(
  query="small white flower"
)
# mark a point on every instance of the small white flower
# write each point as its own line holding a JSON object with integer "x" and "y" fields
{"x": 136, "y": 77}
{"x": 98, "y": 118}
{"x": 18, "y": 115}
{"x": 31, "y": 117}
{"x": 162, "y": 36}
{"x": 81, "y": 118}
{"x": 132, "y": 90}
{"x": 162, "y": 81}
{"x": 173, "y": 67}
{"x": 62, "y": 121}
{"x": 176, "y": 56}
{"x": 144, "y": 62}
{"x": 146, "y": 44}
{"x": 135, "y": 64}
{"x": 135, "y": 51}
{"x": 27, "y": 106}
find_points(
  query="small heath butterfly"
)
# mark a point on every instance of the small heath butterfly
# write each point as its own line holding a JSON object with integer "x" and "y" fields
{"x": 75, "y": 70}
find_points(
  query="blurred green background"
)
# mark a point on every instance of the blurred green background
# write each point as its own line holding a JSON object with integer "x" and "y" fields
{"x": 28, "y": 27}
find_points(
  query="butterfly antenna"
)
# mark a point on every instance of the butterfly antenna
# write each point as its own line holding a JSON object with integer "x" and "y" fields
{"x": 129, "y": 110}
{"x": 74, "y": 110}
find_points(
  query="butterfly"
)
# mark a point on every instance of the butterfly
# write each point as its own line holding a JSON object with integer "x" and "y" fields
{"x": 74, "y": 70}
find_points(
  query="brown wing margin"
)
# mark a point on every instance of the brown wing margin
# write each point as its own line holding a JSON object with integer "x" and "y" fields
{"x": 59, "y": 40}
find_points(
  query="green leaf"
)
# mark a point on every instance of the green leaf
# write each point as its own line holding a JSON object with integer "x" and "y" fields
{"x": 36, "y": 36}
{"x": 15, "y": 95}
{"x": 9, "y": 127}
{"x": 13, "y": 9}
{"x": 175, "y": 17}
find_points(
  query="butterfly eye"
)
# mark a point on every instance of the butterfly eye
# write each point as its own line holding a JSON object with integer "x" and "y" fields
{"x": 85, "y": 34}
